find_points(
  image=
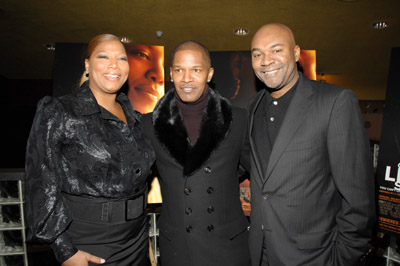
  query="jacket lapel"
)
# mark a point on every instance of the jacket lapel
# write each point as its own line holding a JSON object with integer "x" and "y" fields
{"x": 172, "y": 134}
{"x": 253, "y": 149}
{"x": 294, "y": 117}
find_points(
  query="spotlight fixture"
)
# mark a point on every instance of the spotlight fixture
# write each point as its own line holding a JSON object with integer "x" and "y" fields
{"x": 125, "y": 39}
{"x": 380, "y": 25}
{"x": 159, "y": 34}
{"x": 241, "y": 31}
{"x": 49, "y": 47}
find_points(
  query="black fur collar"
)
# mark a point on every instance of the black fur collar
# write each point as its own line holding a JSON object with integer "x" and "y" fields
{"x": 171, "y": 131}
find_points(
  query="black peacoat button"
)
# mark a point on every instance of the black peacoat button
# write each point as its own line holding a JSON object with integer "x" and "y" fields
{"x": 189, "y": 228}
{"x": 210, "y": 227}
{"x": 210, "y": 190}
{"x": 187, "y": 191}
{"x": 188, "y": 211}
{"x": 210, "y": 209}
{"x": 207, "y": 169}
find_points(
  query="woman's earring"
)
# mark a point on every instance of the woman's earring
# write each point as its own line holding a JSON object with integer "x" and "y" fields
{"x": 87, "y": 73}
{"x": 172, "y": 80}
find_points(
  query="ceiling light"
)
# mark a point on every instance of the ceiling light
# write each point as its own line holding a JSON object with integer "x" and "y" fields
{"x": 380, "y": 25}
{"x": 49, "y": 47}
{"x": 159, "y": 34}
{"x": 126, "y": 40}
{"x": 241, "y": 31}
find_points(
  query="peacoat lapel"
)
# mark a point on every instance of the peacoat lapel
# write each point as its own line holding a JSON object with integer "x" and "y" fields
{"x": 171, "y": 132}
{"x": 294, "y": 117}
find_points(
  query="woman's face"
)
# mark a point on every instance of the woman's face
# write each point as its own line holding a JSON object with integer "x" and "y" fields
{"x": 146, "y": 76}
{"x": 108, "y": 68}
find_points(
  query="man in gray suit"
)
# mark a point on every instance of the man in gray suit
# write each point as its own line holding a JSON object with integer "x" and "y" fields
{"x": 311, "y": 171}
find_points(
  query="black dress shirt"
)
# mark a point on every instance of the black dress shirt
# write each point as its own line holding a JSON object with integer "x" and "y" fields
{"x": 272, "y": 113}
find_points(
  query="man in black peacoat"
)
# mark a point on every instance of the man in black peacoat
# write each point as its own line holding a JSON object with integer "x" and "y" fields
{"x": 202, "y": 222}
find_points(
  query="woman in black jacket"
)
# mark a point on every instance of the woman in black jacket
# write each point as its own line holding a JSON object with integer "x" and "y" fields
{"x": 86, "y": 167}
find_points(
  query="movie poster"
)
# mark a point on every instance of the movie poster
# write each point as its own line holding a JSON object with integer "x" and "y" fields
{"x": 234, "y": 79}
{"x": 145, "y": 85}
{"x": 233, "y": 76}
{"x": 388, "y": 169}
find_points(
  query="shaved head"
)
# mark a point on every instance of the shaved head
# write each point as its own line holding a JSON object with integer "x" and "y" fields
{"x": 193, "y": 46}
{"x": 274, "y": 56}
{"x": 275, "y": 28}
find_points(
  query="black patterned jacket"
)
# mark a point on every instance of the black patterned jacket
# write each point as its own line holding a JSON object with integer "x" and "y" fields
{"x": 78, "y": 147}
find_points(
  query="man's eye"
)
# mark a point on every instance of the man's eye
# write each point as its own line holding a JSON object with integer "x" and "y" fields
{"x": 178, "y": 70}
{"x": 197, "y": 70}
{"x": 277, "y": 51}
{"x": 256, "y": 55}
{"x": 123, "y": 59}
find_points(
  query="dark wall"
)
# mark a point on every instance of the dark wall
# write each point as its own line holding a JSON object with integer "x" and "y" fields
{"x": 17, "y": 109}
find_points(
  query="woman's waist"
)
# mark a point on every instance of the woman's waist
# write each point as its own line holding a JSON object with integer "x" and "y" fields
{"x": 107, "y": 210}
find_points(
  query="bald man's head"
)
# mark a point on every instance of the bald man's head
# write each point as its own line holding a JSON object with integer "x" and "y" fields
{"x": 193, "y": 46}
{"x": 277, "y": 29}
{"x": 274, "y": 56}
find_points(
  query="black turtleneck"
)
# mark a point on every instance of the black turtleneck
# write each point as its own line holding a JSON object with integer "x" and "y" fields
{"x": 192, "y": 113}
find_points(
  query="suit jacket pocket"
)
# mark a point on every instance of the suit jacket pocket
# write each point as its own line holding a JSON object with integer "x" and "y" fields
{"x": 236, "y": 227}
{"x": 315, "y": 240}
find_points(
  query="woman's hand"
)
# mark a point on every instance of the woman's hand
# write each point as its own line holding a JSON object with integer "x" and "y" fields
{"x": 82, "y": 258}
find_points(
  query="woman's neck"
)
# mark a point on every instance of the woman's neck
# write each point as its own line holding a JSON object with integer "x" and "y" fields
{"x": 108, "y": 102}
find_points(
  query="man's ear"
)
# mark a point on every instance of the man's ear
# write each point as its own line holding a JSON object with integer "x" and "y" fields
{"x": 210, "y": 74}
{"x": 170, "y": 73}
{"x": 297, "y": 53}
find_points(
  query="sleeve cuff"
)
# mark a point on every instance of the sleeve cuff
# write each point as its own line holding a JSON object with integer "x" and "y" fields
{"x": 63, "y": 248}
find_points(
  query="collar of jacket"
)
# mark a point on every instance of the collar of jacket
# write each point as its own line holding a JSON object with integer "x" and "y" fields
{"x": 171, "y": 132}
{"x": 88, "y": 105}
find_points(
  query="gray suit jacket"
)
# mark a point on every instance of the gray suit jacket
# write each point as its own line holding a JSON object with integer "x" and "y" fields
{"x": 315, "y": 202}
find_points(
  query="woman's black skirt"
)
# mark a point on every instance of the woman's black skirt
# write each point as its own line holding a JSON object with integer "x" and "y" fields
{"x": 122, "y": 242}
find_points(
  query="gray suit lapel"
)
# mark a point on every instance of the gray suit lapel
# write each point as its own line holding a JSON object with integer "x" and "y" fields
{"x": 294, "y": 117}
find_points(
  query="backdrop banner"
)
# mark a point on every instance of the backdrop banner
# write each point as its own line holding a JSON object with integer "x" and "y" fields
{"x": 388, "y": 168}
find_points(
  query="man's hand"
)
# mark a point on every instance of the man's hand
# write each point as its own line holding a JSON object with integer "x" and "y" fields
{"x": 82, "y": 258}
